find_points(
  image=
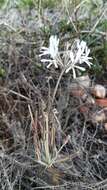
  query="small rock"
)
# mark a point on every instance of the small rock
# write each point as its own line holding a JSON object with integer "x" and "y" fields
{"x": 99, "y": 91}
{"x": 105, "y": 126}
{"x": 100, "y": 116}
{"x": 84, "y": 81}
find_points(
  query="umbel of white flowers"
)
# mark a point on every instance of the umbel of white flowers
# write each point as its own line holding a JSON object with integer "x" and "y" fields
{"x": 71, "y": 59}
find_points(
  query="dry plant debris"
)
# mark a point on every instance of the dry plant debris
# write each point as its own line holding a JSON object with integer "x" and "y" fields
{"x": 52, "y": 122}
{"x": 100, "y": 116}
{"x": 48, "y": 138}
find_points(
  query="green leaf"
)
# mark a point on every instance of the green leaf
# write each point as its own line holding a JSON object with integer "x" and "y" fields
{"x": 2, "y": 72}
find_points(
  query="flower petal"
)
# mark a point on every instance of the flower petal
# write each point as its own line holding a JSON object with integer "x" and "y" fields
{"x": 80, "y": 68}
{"x": 74, "y": 73}
{"x": 46, "y": 60}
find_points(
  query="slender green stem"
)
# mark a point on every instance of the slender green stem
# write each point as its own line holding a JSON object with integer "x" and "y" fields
{"x": 57, "y": 84}
{"x": 47, "y": 140}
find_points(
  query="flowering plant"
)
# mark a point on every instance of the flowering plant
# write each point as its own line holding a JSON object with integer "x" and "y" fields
{"x": 52, "y": 50}
{"x": 71, "y": 59}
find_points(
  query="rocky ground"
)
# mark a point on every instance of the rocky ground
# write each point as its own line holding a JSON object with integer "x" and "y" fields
{"x": 26, "y": 89}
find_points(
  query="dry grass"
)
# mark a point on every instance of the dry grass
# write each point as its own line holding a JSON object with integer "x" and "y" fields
{"x": 45, "y": 142}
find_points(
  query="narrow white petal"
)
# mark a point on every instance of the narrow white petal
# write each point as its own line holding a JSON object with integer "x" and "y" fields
{"x": 77, "y": 43}
{"x": 87, "y": 51}
{"x": 68, "y": 69}
{"x": 83, "y": 45}
{"x": 78, "y": 56}
{"x": 71, "y": 56}
{"x": 46, "y": 60}
{"x": 80, "y": 68}
{"x": 88, "y": 63}
{"x": 89, "y": 58}
{"x": 55, "y": 63}
{"x": 49, "y": 65}
{"x": 44, "y": 48}
{"x": 44, "y": 53}
{"x": 74, "y": 73}
{"x": 53, "y": 46}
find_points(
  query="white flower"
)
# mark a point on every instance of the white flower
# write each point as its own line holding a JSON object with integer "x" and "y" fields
{"x": 82, "y": 53}
{"x": 78, "y": 54}
{"x": 52, "y": 51}
{"x": 71, "y": 65}
{"x": 71, "y": 59}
